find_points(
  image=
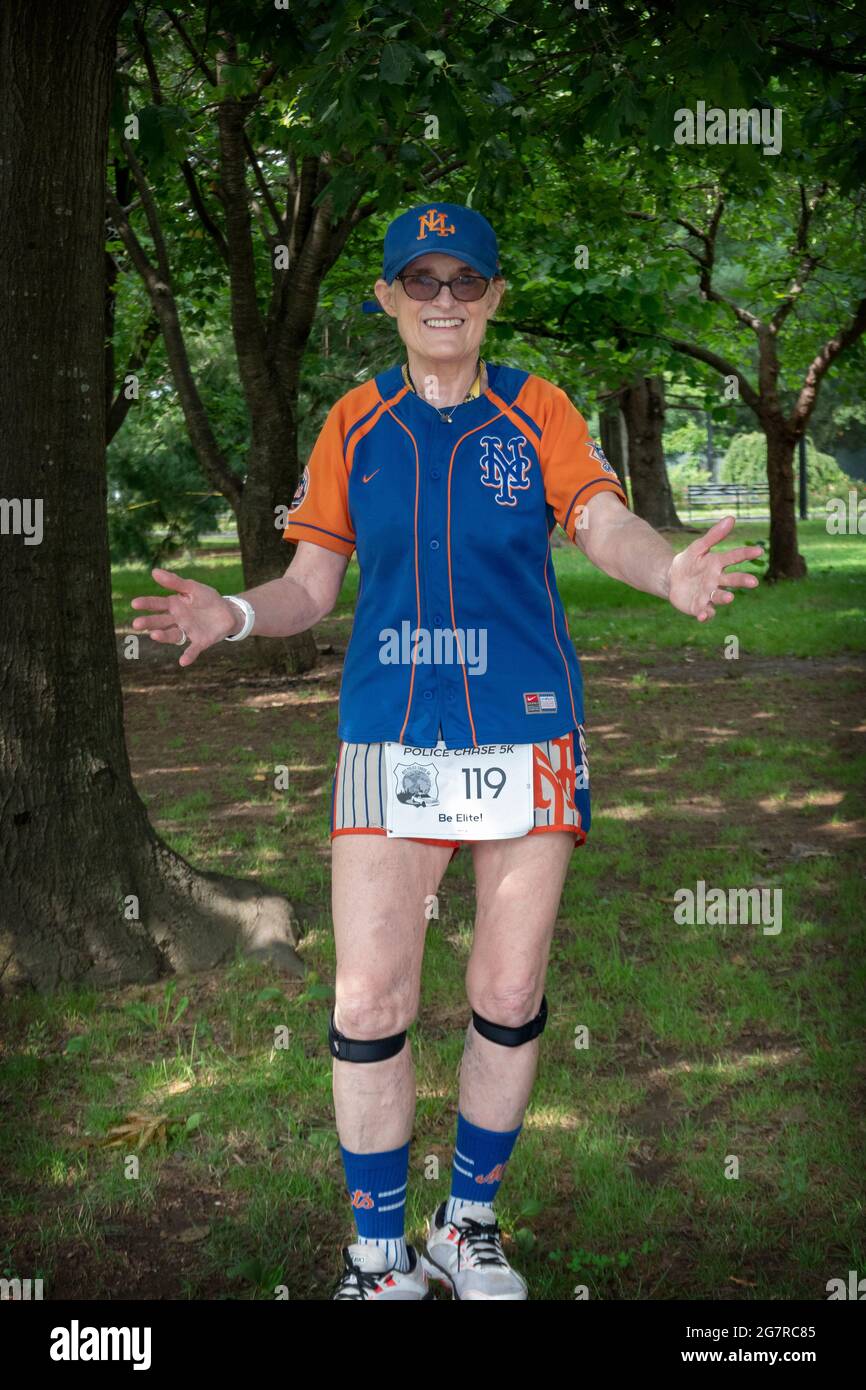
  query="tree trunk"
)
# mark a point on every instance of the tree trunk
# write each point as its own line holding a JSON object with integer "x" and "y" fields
{"x": 786, "y": 562}
{"x": 613, "y": 440}
{"x": 643, "y": 406}
{"x": 88, "y": 892}
{"x": 265, "y": 555}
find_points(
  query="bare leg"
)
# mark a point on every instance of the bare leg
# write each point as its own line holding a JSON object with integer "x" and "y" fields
{"x": 519, "y": 885}
{"x": 379, "y": 886}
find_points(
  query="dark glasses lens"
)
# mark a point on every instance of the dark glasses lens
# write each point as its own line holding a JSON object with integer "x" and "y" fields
{"x": 464, "y": 287}
{"x": 468, "y": 287}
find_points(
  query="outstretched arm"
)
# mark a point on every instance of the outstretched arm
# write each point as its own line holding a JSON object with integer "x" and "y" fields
{"x": 627, "y": 548}
{"x": 302, "y": 597}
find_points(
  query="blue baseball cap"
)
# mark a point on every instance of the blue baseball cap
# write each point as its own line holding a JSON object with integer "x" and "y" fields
{"x": 448, "y": 227}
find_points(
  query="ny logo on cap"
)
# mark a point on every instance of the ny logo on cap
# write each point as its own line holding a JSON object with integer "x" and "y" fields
{"x": 503, "y": 470}
{"x": 433, "y": 221}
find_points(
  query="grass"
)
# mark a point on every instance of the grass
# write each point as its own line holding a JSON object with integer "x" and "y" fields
{"x": 696, "y": 1130}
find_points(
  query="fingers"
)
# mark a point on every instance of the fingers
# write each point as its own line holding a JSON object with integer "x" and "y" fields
{"x": 738, "y": 580}
{"x": 152, "y": 625}
{"x": 157, "y": 603}
{"x": 191, "y": 653}
{"x": 716, "y": 533}
{"x": 169, "y": 580}
{"x": 171, "y": 609}
{"x": 169, "y": 635}
{"x": 717, "y": 596}
{"x": 744, "y": 552}
{"x": 161, "y": 603}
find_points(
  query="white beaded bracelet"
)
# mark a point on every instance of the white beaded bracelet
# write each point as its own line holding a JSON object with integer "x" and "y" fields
{"x": 249, "y": 617}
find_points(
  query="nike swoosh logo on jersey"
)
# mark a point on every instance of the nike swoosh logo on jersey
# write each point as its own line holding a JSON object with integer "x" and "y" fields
{"x": 367, "y": 476}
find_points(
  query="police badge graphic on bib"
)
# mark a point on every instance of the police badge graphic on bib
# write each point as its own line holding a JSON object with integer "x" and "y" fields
{"x": 416, "y": 784}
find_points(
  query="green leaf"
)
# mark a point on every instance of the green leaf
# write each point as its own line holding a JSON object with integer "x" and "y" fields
{"x": 395, "y": 64}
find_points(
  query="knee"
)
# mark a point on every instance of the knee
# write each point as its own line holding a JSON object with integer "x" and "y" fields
{"x": 509, "y": 1004}
{"x": 368, "y": 1010}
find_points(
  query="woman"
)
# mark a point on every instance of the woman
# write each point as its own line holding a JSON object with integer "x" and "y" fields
{"x": 461, "y": 719}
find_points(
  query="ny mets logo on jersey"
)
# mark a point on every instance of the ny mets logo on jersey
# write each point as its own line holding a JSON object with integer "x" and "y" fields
{"x": 504, "y": 467}
{"x": 433, "y": 221}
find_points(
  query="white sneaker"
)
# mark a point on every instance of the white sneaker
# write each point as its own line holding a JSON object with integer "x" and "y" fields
{"x": 466, "y": 1256}
{"x": 367, "y": 1275}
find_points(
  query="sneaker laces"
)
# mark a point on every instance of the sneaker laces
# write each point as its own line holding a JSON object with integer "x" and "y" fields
{"x": 481, "y": 1239}
{"x": 355, "y": 1283}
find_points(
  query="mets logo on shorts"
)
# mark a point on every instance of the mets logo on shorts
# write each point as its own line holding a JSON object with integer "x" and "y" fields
{"x": 417, "y": 784}
{"x": 504, "y": 467}
{"x": 300, "y": 490}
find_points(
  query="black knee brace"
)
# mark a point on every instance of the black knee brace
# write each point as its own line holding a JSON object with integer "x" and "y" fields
{"x": 512, "y": 1037}
{"x": 362, "y": 1049}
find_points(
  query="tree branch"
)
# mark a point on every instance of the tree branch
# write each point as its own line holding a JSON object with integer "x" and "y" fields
{"x": 263, "y": 187}
{"x": 817, "y": 55}
{"x": 250, "y": 331}
{"x": 204, "y": 216}
{"x": 808, "y": 262}
{"x": 211, "y": 459}
{"x": 719, "y": 364}
{"x": 197, "y": 57}
{"x": 821, "y": 364}
{"x": 706, "y": 262}
{"x": 119, "y": 407}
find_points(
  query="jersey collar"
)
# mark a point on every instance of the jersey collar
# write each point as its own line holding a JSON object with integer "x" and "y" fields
{"x": 478, "y": 387}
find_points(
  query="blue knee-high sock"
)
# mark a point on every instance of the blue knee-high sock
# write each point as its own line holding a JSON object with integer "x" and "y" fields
{"x": 377, "y": 1191}
{"x": 480, "y": 1156}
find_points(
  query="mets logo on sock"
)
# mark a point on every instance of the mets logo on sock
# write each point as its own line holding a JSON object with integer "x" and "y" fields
{"x": 362, "y": 1200}
{"x": 504, "y": 467}
{"x": 496, "y": 1174}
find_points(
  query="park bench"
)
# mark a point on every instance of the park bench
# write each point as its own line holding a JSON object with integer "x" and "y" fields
{"x": 725, "y": 495}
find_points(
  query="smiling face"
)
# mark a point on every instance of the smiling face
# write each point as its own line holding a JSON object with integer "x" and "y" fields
{"x": 443, "y": 329}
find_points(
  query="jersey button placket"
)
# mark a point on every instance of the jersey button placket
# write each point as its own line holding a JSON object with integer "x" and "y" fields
{"x": 436, "y": 585}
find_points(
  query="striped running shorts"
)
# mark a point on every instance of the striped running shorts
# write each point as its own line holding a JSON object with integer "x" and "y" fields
{"x": 359, "y": 795}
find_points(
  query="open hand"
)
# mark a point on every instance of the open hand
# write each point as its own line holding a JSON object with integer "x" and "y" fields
{"x": 697, "y": 574}
{"x": 194, "y": 611}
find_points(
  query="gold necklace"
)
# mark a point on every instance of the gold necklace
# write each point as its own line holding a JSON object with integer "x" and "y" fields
{"x": 473, "y": 392}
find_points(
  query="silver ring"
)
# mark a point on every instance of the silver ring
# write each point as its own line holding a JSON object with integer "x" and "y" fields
{"x": 711, "y": 599}
{"x": 181, "y": 639}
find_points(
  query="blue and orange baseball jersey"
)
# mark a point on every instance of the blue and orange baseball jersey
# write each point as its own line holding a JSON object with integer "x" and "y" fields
{"x": 459, "y": 625}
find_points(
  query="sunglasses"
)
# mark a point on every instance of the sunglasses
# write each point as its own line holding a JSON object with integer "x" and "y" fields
{"x": 463, "y": 287}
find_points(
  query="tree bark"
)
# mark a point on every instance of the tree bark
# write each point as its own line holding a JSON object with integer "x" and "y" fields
{"x": 613, "y": 440}
{"x": 643, "y": 406}
{"x": 88, "y": 891}
{"x": 786, "y": 562}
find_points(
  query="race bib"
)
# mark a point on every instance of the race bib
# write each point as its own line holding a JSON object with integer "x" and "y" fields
{"x": 444, "y": 793}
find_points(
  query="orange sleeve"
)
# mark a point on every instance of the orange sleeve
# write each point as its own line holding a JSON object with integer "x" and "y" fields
{"x": 319, "y": 510}
{"x": 573, "y": 466}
